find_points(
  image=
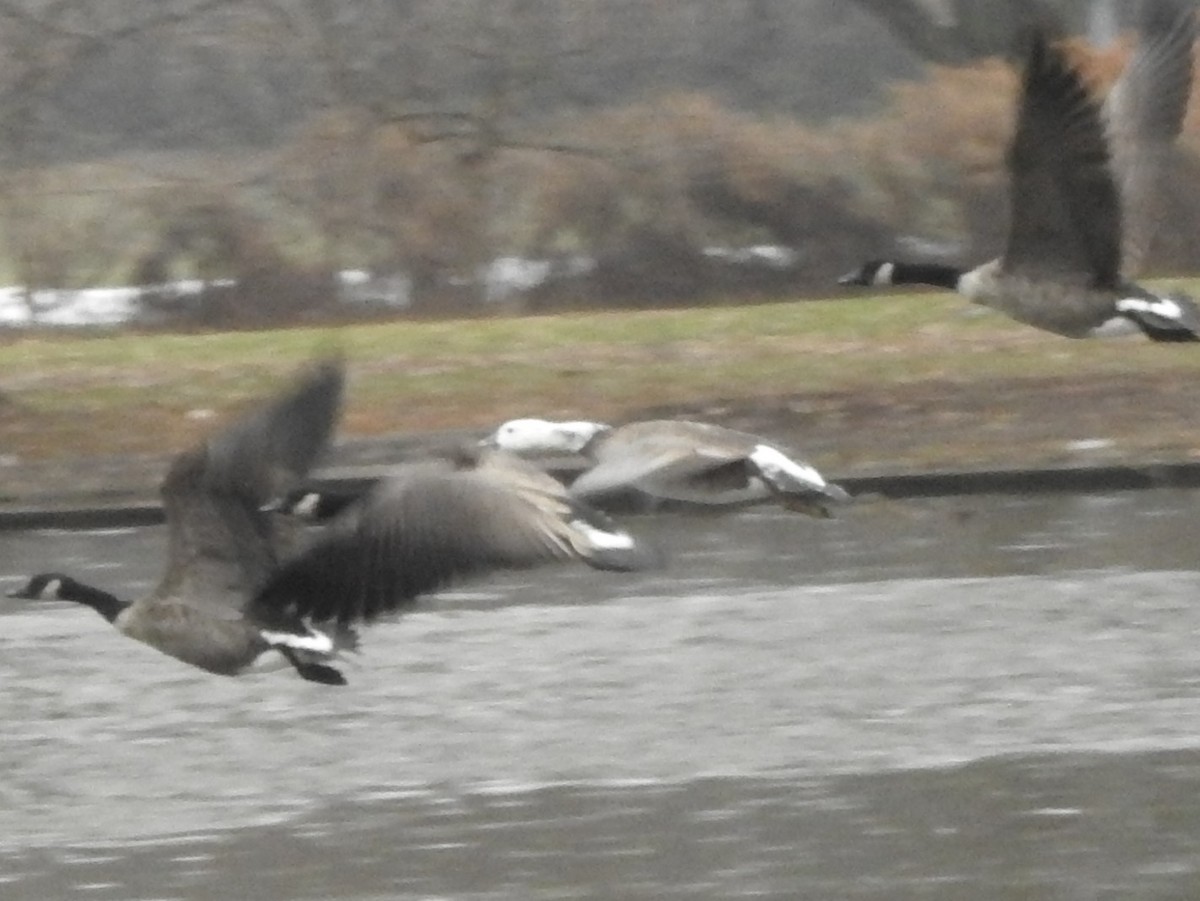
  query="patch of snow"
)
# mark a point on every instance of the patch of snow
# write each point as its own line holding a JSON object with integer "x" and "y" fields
{"x": 363, "y": 287}
{"x": 92, "y": 306}
{"x": 506, "y": 276}
{"x": 774, "y": 255}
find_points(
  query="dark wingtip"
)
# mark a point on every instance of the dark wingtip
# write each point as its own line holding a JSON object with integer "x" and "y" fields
{"x": 817, "y": 504}
{"x": 313, "y": 672}
{"x": 325, "y": 675}
{"x": 1033, "y": 36}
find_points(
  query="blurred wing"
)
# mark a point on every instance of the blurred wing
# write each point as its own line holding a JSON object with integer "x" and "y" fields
{"x": 269, "y": 451}
{"x": 1065, "y": 217}
{"x": 1143, "y": 116}
{"x": 424, "y": 528}
{"x": 221, "y": 546}
{"x": 518, "y": 473}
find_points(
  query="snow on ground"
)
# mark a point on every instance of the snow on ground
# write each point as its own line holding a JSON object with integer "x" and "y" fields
{"x": 502, "y": 278}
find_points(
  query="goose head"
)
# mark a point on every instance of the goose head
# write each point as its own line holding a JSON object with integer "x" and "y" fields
{"x": 47, "y": 587}
{"x": 540, "y": 436}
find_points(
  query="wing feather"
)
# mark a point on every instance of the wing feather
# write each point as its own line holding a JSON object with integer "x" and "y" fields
{"x": 221, "y": 548}
{"x": 1143, "y": 116}
{"x": 422, "y": 529}
{"x": 1065, "y": 217}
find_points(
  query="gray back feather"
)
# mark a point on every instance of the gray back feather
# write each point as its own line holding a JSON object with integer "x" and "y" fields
{"x": 1143, "y": 115}
{"x": 666, "y": 450}
{"x": 221, "y": 546}
{"x": 426, "y": 526}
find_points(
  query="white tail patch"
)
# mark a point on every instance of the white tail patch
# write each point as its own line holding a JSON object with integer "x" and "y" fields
{"x": 773, "y": 464}
{"x": 314, "y": 642}
{"x": 605, "y": 541}
{"x": 975, "y": 284}
{"x": 1162, "y": 306}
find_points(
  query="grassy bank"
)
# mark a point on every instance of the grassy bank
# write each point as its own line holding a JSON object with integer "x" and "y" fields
{"x": 66, "y": 395}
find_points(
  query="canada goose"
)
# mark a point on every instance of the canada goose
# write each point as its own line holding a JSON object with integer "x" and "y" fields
{"x": 222, "y": 549}
{"x": 1061, "y": 270}
{"x": 432, "y": 522}
{"x": 676, "y": 460}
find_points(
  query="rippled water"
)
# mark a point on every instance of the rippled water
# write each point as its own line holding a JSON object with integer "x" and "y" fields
{"x": 978, "y": 697}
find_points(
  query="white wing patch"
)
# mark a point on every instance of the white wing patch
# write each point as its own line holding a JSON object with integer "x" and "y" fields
{"x": 772, "y": 463}
{"x": 601, "y": 539}
{"x": 1162, "y": 306}
{"x": 314, "y": 642}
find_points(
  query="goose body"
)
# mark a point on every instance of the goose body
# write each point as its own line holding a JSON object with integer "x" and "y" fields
{"x": 431, "y": 523}
{"x": 1084, "y": 187}
{"x": 235, "y": 588}
{"x": 222, "y": 548}
{"x": 687, "y": 461}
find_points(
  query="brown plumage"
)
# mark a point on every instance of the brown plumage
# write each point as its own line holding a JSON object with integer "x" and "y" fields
{"x": 1075, "y": 171}
{"x": 222, "y": 548}
{"x": 432, "y": 523}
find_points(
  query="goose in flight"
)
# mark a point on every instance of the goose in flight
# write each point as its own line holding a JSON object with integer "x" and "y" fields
{"x": 222, "y": 549}
{"x": 1084, "y": 191}
{"x": 677, "y": 460}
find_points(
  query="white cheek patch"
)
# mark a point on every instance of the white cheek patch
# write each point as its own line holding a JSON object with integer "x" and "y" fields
{"x": 1163, "y": 307}
{"x": 884, "y": 274}
{"x": 601, "y": 539}
{"x": 315, "y": 642}
{"x": 51, "y": 589}
{"x": 773, "y": 463}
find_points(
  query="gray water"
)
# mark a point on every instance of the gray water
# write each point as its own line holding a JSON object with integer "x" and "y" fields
{"x": 964, "y": 698}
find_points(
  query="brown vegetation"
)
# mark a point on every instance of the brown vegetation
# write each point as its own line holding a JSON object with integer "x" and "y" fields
{"x": 642, "y": 189}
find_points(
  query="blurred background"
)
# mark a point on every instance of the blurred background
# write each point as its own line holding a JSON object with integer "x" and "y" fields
{"x": 271, "y": 161}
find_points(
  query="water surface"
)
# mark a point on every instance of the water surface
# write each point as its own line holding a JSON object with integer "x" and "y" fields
{"x": 984, "y": 697}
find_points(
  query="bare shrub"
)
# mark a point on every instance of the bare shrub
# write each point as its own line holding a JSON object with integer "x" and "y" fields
{"x": 244, "y": 279}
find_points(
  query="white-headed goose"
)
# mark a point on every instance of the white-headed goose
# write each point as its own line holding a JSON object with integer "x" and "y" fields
{"x": 222, "y": 549}
{"x": 430, "y": 523}
{"x": 677, "y": 460}
{"x": 1078, "y": 174}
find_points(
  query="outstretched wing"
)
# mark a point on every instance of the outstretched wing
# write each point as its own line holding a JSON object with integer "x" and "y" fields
{"x": 221, "y": 546}
{"x": 1143, "y": 116}
{"x": 656, "y": 455}
{"x": 425, "y": 527}
{"x": 1065, "y": 216}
